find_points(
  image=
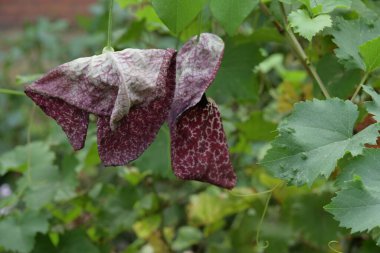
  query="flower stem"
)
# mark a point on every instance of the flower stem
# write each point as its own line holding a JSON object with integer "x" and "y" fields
{"x": 109, "y": 29}
{"x": 365, "y": 77}
{"x": 12, "y": 92}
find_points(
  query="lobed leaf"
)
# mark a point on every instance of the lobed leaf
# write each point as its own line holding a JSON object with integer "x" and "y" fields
{"x": 306, "y": 26}
{"x": 348, "y": 45}
{"x": 370, "y": 52}
{"x": 373, "y": 107}
{"x": 356, "y": 207}
{"x": 18, "y": 231}
{"x": 314, "y": 137}
{"x": 326, "y": 6}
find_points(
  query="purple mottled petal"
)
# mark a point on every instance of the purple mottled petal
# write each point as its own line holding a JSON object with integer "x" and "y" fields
{"x": 73, "y": 121}
{"x": 137, "y": 130}
{"x": 77, "y": 91}
{"x": 107, "y": 85}
{"x": 197, "y": 65}
{"x": 198, "y": 147}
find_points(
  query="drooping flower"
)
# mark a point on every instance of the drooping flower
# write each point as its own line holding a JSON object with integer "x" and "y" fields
{"x": 133, "y": 92}
{"x": 198, "y": 143}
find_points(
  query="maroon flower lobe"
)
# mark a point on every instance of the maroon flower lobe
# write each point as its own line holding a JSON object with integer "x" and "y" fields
{"x": 200, "y": 151}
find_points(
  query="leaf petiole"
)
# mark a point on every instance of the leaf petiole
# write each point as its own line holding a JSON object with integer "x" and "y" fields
{"x": 364, "y": 79}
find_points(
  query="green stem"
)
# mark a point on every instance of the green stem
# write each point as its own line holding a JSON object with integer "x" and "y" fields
{"x": 365, "y": 77}
{"x": 28, "y": 141}
{"x": 12, "y": 92}
{"x": 302, "y": 55}
{"x": 109, "y": 29}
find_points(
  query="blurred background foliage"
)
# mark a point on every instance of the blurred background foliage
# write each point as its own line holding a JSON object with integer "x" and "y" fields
{"x": 55, "y": 200}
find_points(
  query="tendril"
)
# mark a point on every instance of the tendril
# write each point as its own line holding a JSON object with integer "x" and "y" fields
{"x": 266, "y": 243}
{"x": 330, "y": 244}
{"x": 258, "y": 242}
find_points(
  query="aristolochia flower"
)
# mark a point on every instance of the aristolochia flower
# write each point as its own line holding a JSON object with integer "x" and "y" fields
{"x": 133, "y": 92}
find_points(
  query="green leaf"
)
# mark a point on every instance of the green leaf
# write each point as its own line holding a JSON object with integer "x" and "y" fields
{"x": 355, "y": 206}
{"x": 18, "y": 231}
{"x": 314, "y": 137}
{"x": 308, "y": 217}
{"x": 362, "y": 167}
{"x": 76, "y": 241}
{"x": 370, "y": 51}
{"x": 210, "y": 207}
{"x": 153, "y": 22}
{"x": 43, "y": 244}
{"x": 348, "y": 45}
{"x": 177, "y": 14}
{"x": 373, "y": 107}
{"x": 326, "y": 6}
{"x": 306, "y": 26}
{"x": 116, "y": 214}
{"x": 339, "y": 82}
{"x": 363, "y": 11}
{"x": 156, "y": 159}
{"x": 231, "y": 13}
{"x": 145, "y": 227}
{"x": 236, "y": 80}
{"x": 256, "y": 128}
{"x": 42, "y": 179}
{"x": 125, "y": 3}
{"x": 187, "y": 236}
{"x": 17, "y": 159}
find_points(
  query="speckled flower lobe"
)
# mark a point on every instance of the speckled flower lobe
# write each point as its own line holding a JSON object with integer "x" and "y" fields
{"x": 198, "y": 143}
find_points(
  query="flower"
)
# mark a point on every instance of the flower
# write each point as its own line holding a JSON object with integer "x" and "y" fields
{"x": 132, "y": 93}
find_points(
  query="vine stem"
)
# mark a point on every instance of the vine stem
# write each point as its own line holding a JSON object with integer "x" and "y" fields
{"x": 11, "y": 92}
{"x": 365, "y": 77}
{"x": 307, "y": 64}
{"x": 302, "y": 55}
{"x": 28, "y": 141}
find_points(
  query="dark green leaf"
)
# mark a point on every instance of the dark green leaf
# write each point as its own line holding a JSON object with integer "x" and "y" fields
{"x": 19, "y": 230}
{"x": 231, "y": 13}
{"x": 236, "y": 80}
{"x": 178, "y": 14}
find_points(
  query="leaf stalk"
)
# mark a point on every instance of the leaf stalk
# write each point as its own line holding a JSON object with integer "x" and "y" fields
{"x": 364, "y": 79}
